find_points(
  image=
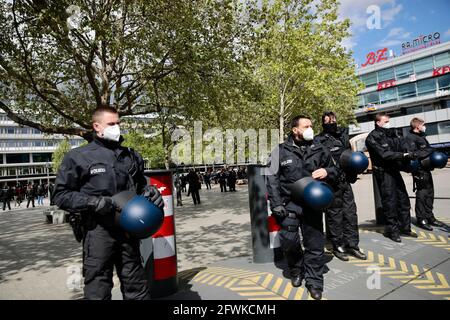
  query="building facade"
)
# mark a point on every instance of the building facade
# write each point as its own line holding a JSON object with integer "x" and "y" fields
{"x": 26, "y": 153}
{"x": 412, "y": 85}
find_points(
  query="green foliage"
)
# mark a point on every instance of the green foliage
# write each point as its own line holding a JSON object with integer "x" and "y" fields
{"x": 300, "y": 62}
{"x": 60, "y": 152}
{"x": 151, "y": 149}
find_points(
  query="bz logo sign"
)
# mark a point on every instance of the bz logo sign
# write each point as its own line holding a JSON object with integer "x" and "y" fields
{"x": 373, "y": 57}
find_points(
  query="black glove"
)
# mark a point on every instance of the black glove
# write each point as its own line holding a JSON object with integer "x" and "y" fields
{"x": 351, "y": 178}
{"x": 152, "y": 194}
{"x": 411, "y": 155}
{"x": 105, "y": 205}
{"x": 279, "y": 212}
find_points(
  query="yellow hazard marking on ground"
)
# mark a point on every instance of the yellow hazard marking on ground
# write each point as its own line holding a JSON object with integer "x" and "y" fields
{"x": 434, "y": 282}
{"x": 424, "y": 237}
{"x": 252, "y": 285}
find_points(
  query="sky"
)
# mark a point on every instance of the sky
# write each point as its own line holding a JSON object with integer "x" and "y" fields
{"x": 400, "y": 21}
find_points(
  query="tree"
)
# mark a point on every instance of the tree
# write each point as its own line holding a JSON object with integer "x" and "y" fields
{"x": 151, "y": 149}
{"x": 62, "y": 59}
{"x": 300, "y": 62}
{"x": 59, "y": 153}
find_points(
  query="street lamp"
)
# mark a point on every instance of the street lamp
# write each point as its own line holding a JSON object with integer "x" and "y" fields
{"x": 47, "y": 166}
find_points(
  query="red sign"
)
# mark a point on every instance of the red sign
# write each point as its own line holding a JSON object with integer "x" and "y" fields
{"x": 386, "y": 84}
{"x": 441, "y": 71}
{"x": 372, "y": 57}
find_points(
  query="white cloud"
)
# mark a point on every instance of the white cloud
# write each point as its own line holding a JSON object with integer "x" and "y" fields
{"x": 356, "y": 11}
{"x": 412, "y": 18}
{"x": 395, "y": 37}
{"x": 447, "y": 33}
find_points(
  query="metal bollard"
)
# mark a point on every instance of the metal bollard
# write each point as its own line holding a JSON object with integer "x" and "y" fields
{"x": 265, "y": 241}
{"x": 159, "y": 252}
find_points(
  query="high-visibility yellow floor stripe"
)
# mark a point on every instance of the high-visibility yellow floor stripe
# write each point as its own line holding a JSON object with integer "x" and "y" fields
{"x": 260, "y": 293}
{"x": 287, "y": 290}
{"x": 267, "y": 280}
{"x": 299, "y": 294}
{"x": 229, "y": 284}
{"x": 208, "y": 278}
{"x": 215, "y": 280}
{"x": 223, "y": 281}
{"x": 277, "y": 285}
{"x": 245, "y": 288}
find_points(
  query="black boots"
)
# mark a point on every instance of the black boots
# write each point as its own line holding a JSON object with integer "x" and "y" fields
{"x": 356, "y": 252}
{"x": 393, "y": 236}
{"x": 422, "y": 223}
{"x": 296, "y": 280}
{"x": 340, "y": 253}
{"x": 315, "y": 293}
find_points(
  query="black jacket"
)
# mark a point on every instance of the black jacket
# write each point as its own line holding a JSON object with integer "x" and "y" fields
{"x": 416, "y": 142}
{"x": 296, "y": 162}
{"x": 101, "y": 168}
{"x": 336, "y": 144}
{"x": 386, "y": 148}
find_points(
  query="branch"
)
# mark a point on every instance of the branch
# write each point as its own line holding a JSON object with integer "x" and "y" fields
{"x": 61, "y": 130}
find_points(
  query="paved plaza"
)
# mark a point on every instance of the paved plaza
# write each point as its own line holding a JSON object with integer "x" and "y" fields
{"x": 215, "y": 259}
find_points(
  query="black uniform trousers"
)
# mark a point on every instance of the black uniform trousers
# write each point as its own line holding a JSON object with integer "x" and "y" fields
{"x": 195, "y": 195}
{"x": 309, "y": 263}
{"x": 395, "y": 201}
{"x": 102, "y": 250}
{"x": 223, "y": 186}
{"x": 341, "y": 218}
{"x": 423, "y": 182}
{"x": 6, "y": 203}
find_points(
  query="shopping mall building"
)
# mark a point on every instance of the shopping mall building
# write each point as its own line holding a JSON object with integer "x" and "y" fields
{"x": 416, "y": 84}
{"x": 26, "y": 153}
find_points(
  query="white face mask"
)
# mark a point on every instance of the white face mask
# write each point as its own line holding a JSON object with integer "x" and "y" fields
{"x": 308, "y": 134}
{"x": 112, "y": 133}
{"x": 423, "y": 129}
{"x": 387, "y": 125}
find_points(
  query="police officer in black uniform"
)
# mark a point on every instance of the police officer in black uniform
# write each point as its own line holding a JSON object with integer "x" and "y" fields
{"x": 296, "y": 158}
{"x": 341, "y": 219}
{"x": 88, "y": 178}
{"x": 388, "y": 154}
{"x": 422, "y": 179}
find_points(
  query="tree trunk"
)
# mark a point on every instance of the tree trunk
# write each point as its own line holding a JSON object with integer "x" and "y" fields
{"x": 166, "y": 148}
{"x": 281, "y": 119}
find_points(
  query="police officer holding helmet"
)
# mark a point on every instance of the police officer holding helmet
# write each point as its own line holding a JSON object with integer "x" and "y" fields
{"x": 341, "y": 218}
{"x": 422, "y": 179}
{"x": 88, "y": 178}
{"x": 388, "y": 155}
{"x": 294, "y": 159}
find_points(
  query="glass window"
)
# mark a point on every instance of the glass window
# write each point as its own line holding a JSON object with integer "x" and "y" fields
{"x": 432, "y": 128}
{"x": 1, "y": 159}
{"x": 428, "y": 108}
{"x": 406, "y": 91}
{"x": 369, "y": 79}
{"x": 42, "y": 157}
{"x": 442, "y": 59}
{"x": 10, "y": 130}
{"x": 444, "y": 127}
{"x": 388, "y": 95}
{"x": 372, "y": 97}
{"x": 404, "y": 70}
{"x": 444, "y": 82}
{"x": 17, "y": 158}
{"x": 386, "y": 74}
{"x": 414, "y": 110}
{"x": 423, "y": 65}
{"x": 426, "y": 86}
{"x": 360, "y": 103}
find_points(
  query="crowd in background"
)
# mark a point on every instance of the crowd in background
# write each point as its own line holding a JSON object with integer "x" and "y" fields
{"x": 192, "y": 181}
{"x": 25, "y": 192}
